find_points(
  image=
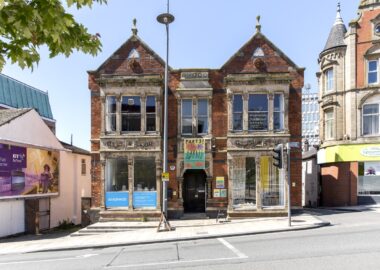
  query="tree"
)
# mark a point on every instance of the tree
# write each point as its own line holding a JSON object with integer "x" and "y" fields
{"x": 25, "y": 25}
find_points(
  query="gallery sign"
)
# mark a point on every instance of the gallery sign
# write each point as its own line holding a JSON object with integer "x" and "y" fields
{"x": 194, "y": 153}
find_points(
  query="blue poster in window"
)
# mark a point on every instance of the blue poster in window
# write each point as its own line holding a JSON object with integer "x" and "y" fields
{"x": 144, "y": 199}
{"x": 117, "y": 199}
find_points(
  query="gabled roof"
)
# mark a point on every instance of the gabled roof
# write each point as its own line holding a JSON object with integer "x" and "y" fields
{"x": 15, "y": 94}
{"x": 7, "y": 116}
{"x": 75, "y": 149}
{"x": 133, "y": 38}
{"x": 259, "y": 35}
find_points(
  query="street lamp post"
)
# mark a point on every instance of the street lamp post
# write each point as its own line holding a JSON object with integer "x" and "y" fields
{"x": 166, "y": 19}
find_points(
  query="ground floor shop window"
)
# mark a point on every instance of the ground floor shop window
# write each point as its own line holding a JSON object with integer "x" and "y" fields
{"x": 369, "y": 178}
{"x": 272, "y": 183}
{"x": 145, "y": 185}
{"x": 244, "y": 182}
{"x": 117, "y": 183}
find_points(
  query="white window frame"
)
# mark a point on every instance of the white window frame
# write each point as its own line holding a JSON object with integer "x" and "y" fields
{"x": 125, "y": 114}
{"x": 150, "y": 113}
{"x": 267, "y": 112}
{"x": 197, "y": 116}
{"x": 362, "y": 116}
{"x": 376, "y": 71}
{"x": 240, "y": 112}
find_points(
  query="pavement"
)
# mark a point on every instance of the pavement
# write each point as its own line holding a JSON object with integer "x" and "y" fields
{"x": 137, "y": 233}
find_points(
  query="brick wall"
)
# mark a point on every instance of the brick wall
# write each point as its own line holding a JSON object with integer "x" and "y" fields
{"x": 339, "y": 184}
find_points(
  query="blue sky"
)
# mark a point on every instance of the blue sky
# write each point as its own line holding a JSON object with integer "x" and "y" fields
{"x": 206, "y": 34}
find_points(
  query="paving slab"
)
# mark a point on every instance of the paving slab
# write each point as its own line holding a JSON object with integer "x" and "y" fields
{"x": 184, "y": 230}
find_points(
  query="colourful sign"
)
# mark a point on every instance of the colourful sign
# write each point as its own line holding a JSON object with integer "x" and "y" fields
{"x": 216, "y": 193}
{"x": 219, "y": 182}
{"x": 194, "y": 152}
{"x": 347, "y": 153}
{"x": 27, "y": 171}
{"x": 142, "y": 199}
{"x": 165, "y": 176}
{"x": 117, "y": 199}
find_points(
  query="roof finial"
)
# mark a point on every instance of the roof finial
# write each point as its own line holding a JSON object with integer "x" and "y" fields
{"x": 339, "y": 19}
{"x": 134, "y": 28}
{"x": 258, "y": 25}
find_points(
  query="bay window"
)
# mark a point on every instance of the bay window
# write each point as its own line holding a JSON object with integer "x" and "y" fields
{"x": 111, "y": 114}
{"x": 130, "y": 113}
{"x": 258, "y": 112}
{"x": 117, "y": 174}
{"x": 272, "y": 183}
{"x": 200, "y": 116}
{"x": 237, "y": 112}
{"x": 370, "y": 119}
{"x": 243, "y": 179}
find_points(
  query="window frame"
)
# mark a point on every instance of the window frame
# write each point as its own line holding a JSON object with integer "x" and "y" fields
{"x": 237, "y": 112}
{"x": 267, "y": 113}
{"x": 326, "y": 121}
{"x": 151, "y": 113}
{"x": 125, "y": 114}
{"x": 187, "y": 117}
{"x": 197, "y": 116}
{"x": 83, "y": 167}
{"x": 376, "y": 71}
{"x": 362, "y": 119}
{"x": 281, "y": 111}
{"x": 329, "y": 79}
{"x": 108, "y": 114}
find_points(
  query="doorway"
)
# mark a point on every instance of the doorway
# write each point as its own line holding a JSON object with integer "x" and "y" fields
{"x": 194, "y": 192}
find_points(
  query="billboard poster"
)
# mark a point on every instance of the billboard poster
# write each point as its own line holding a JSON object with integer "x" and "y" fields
{"x": 194, "y": 152}
{"x": 371, "y": 168}
{"x": 27, "y": 171}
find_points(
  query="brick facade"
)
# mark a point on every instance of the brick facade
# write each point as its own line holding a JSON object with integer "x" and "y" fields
{"x": 270, "y": 73}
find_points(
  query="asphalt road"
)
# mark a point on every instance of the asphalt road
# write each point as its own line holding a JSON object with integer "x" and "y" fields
{"x": 352, "y": 242}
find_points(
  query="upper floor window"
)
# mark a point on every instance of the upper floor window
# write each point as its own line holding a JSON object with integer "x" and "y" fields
{"x": 202, "y": 116}
{"x": 372, "y": 71}
{"x": 278, "y": 112}
{"x": 187, "y": 116}
{"x": 370, "y": 119}
{"x": 83, "y": 166}
{"x": 258, "y": 112}
{"x": 130, "y": 113}
{"x": 258, "y": 52}
{"x": 329, "y": 79}
{"x": 237, "y": 112}
{"x": 111, "y": 113}
{"x": 151, "y": 113}
{"x": 329, "y": 124}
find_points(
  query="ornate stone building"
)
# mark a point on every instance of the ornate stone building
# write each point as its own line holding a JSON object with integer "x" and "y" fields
{"x": 349, "y": 106}
{"x": 223, "y": 125}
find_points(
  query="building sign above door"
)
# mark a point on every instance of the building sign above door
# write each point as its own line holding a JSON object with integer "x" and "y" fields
{"x": 194, "y": 152}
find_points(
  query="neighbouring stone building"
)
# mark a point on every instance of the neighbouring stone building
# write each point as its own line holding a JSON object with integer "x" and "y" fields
{"x": 223, "y": 125}
{"x": 310, "y": 120}
{"x": 349, "y": 104}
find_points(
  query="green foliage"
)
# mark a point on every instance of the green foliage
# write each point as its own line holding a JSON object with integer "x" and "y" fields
{"x": 25, "y": 25}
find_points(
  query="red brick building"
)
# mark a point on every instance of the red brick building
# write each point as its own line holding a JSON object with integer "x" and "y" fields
{"x": 223, "y": 125}
{"x": 349, "y": 104}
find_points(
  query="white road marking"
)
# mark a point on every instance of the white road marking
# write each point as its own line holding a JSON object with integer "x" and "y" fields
{"x": 51, "y": 260}
{"x": 238, "y": 253}
{"x": 172, "y": 262}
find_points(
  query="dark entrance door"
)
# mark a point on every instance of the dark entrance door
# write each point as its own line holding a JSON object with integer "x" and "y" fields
{"x": 194, "y": 193}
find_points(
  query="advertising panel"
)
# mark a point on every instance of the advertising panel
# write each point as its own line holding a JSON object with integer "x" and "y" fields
{"x": 27, "y": 171}
{"x": 143, "y": 199}
{"x": 194, "y": 150}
